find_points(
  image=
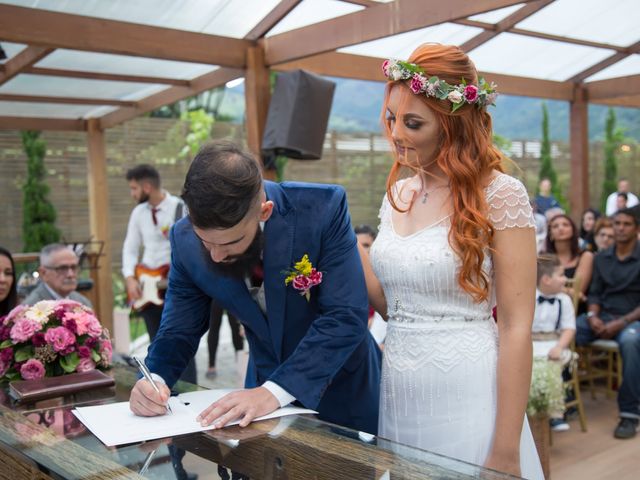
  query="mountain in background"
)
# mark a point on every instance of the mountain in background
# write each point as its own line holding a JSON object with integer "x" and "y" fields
{"x": 356, "y": 108}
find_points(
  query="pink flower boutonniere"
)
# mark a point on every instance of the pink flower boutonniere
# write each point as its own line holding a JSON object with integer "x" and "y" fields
{"x": 303, "y": 276}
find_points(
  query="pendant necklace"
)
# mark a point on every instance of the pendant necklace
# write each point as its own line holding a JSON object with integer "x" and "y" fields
{"x": 425, "y": 195}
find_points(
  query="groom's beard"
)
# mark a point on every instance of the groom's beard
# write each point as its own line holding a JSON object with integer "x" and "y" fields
{"x": 242, "y": 264}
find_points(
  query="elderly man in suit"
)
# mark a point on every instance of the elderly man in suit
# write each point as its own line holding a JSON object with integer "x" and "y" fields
{"x": 308, "y": 336}
{"x": 59, "y": 266}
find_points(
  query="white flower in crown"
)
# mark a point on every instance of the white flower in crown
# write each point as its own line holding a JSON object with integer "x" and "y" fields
{"x": 454, "y": 96}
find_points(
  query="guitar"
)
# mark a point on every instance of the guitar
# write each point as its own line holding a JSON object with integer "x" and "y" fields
{"x": 153, "y": 283}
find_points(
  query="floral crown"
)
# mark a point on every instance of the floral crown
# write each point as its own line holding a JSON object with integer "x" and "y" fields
{"x": 482, "y": 95}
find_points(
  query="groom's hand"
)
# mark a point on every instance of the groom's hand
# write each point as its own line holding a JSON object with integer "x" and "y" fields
{"x": 244, "y": 405}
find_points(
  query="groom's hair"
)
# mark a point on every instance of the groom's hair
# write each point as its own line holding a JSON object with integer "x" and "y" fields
{"x": 222, "y": 185}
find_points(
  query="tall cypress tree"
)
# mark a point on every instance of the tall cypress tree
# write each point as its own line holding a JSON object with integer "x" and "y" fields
{"x": 612, "y": 139}
{"x": 39, "y": 215}
{"x": 546, "y": 163}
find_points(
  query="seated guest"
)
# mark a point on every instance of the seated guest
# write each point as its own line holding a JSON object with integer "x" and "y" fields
{"x": 377, "y": 326}
{"x": 603, "y": 236}
{"x": 587, "y": 229}
{"x": 614, "y": 311}
{"x": 8, "y": 291}
{"x": 554, "y": 322}
{"x": 59, "y": 266}
{"x": 621, "y": 201}
{"x": 562, "y": 240}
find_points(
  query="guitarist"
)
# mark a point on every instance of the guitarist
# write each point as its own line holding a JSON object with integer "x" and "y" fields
{"x": 148, "y": 233}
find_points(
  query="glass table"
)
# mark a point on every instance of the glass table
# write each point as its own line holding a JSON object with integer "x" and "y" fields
{"x": 45, "y": 440}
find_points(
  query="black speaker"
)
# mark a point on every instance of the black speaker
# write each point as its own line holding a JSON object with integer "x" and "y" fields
{"x": 298, "y": 116}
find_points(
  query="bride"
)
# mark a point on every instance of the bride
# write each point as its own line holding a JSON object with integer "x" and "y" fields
{"x": 456, "y": 238}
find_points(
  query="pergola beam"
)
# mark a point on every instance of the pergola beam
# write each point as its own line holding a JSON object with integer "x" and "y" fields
{"x": 5, "y": 97}
{"x": 37, "y": 123}
{"x": 629, "y": 102}
{"x": 171, "y": 95}
{"x": 368, "y": 68}
{"x": 273, "y": 17}
{"x": 613, "y": 88}
{"x": 62, "y": 30}
{"x": 615, "y": 58}
{"x": 505, "y": 24}
{"x": 547, "y": 36}
{"x": 371, "y": 24}
{"x": 22, "y": 60}
{"x": 113, "y": 77}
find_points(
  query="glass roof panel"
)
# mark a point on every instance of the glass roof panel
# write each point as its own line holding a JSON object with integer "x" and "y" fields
{"x": 11, "y": 50}
{"x": 401, "y": 45}
{"x": 495, "y": 16}
{"x": 123, "y": 64}
{"x": 518, "y": 55}
{"x": 626, "y": 66}
{"x": 221, "y": 17}
{"x": 606, "y": 22}
{"x": 43, "y": 110}
{"x": 313, "y": 11}
{"x": 25, "y": 84}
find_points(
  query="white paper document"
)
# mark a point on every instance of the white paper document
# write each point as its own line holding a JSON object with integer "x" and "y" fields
{"x": 115, "y": 423}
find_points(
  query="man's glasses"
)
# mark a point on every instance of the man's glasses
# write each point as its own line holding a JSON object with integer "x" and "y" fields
{"x": 62, "y": 269}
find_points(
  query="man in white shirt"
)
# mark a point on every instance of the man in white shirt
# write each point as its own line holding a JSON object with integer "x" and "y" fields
{"x": 623, "y": 187}
{"x": 148, "y": 229}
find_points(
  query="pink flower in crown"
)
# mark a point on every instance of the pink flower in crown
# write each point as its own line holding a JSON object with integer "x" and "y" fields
{"x": 59, "y": 338}
{"x": 85, "y": 365}
{"x": 24, "y": 329}
{"x": 470, "y": 93}
{"x": 32, "y": 369}
{"x": 385, "y": 68}
{"x": 417, "y": 84}
{"x": 491, "y": 98}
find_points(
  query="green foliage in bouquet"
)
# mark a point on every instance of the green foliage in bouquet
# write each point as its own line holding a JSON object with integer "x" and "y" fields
{"x": 546, "y": 393}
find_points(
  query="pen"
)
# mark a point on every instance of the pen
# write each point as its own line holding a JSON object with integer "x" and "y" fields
{"x": 147, "y": 462}
{"x": 147, "y": 375}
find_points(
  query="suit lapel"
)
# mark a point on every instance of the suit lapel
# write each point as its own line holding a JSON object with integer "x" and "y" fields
{"x": 279, "y": 233}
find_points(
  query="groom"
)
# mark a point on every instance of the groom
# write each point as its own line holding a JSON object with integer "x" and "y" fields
{"x": 308, "y": 341}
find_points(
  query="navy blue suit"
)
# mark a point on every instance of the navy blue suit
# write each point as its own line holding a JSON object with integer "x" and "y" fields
{"x": 319, "y": 350}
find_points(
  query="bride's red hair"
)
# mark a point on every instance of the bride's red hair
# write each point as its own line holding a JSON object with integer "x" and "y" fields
{"x": 466, "y": 155}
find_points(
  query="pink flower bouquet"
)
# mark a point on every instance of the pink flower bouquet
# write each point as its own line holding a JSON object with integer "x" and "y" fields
{"x": 51, "y": 338}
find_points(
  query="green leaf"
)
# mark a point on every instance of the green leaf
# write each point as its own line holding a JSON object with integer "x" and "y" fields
{"x": 6, "y": 343}
{"x": 456, "y": 106}
{"x": 23, "y": 354}
{"x": 70, "y": 362}
{"x": 95, "y": 356}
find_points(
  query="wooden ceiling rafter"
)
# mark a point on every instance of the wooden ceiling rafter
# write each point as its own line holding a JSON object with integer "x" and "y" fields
{"x": 613, "y": 88}
{"x": 38, "y": 123}
{"x": 112, "y": 77}
{"x": 505, "y": 24}
{"x": 607, "y": 62}
{"x": 7, "y": 97}
{"x": 25, "y": 59}
{"x": 280, "y": 11}
{"x": 76, "y": 32}
{"x": 370, "y": 24}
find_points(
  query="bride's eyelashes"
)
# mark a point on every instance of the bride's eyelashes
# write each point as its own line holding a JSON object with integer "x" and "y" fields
{"x": 409, "y": 123}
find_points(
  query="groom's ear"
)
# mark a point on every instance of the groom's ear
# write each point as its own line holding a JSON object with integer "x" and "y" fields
{"x": 266, "y": 209}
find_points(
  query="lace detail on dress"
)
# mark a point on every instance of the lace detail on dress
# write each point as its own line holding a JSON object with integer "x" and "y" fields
{"x": 509, "y": 204}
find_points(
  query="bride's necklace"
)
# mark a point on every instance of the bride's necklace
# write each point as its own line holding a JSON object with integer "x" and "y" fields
{"x": 425, "y": 195}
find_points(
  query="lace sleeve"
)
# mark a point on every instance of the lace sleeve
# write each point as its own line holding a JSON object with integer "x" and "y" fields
{"x": 509, "y": 204}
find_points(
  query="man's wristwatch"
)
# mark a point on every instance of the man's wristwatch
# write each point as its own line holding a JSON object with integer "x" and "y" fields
{"x": 625, "y": 320}
{"x": 591, "y": 314}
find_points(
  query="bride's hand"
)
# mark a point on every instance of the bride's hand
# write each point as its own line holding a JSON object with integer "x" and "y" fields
{"x": 504, "y": 463}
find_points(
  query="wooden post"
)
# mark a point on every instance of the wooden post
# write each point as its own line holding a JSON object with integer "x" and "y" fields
{"x": 99, "y": 218}
{"x": 579, "y": 141}
{"x": 257, "y": 92}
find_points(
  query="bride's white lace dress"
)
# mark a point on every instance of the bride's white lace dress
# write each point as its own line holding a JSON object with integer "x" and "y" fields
{"x": 439, "y": 372}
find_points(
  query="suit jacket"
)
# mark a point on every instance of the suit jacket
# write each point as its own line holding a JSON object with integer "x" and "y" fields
{"x": 318, "y": 350}
{"x": 42, "y": 293}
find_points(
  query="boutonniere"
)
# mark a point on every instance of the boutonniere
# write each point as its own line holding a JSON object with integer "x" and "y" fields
{"x": 165, "y": 230}
{"x": 303, "y": 276}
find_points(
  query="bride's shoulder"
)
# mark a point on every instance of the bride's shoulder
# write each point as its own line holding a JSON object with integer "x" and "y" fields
{"x": 501, "y": 185}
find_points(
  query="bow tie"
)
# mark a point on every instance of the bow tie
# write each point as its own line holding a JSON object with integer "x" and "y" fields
{"x": 542, "y": 299}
